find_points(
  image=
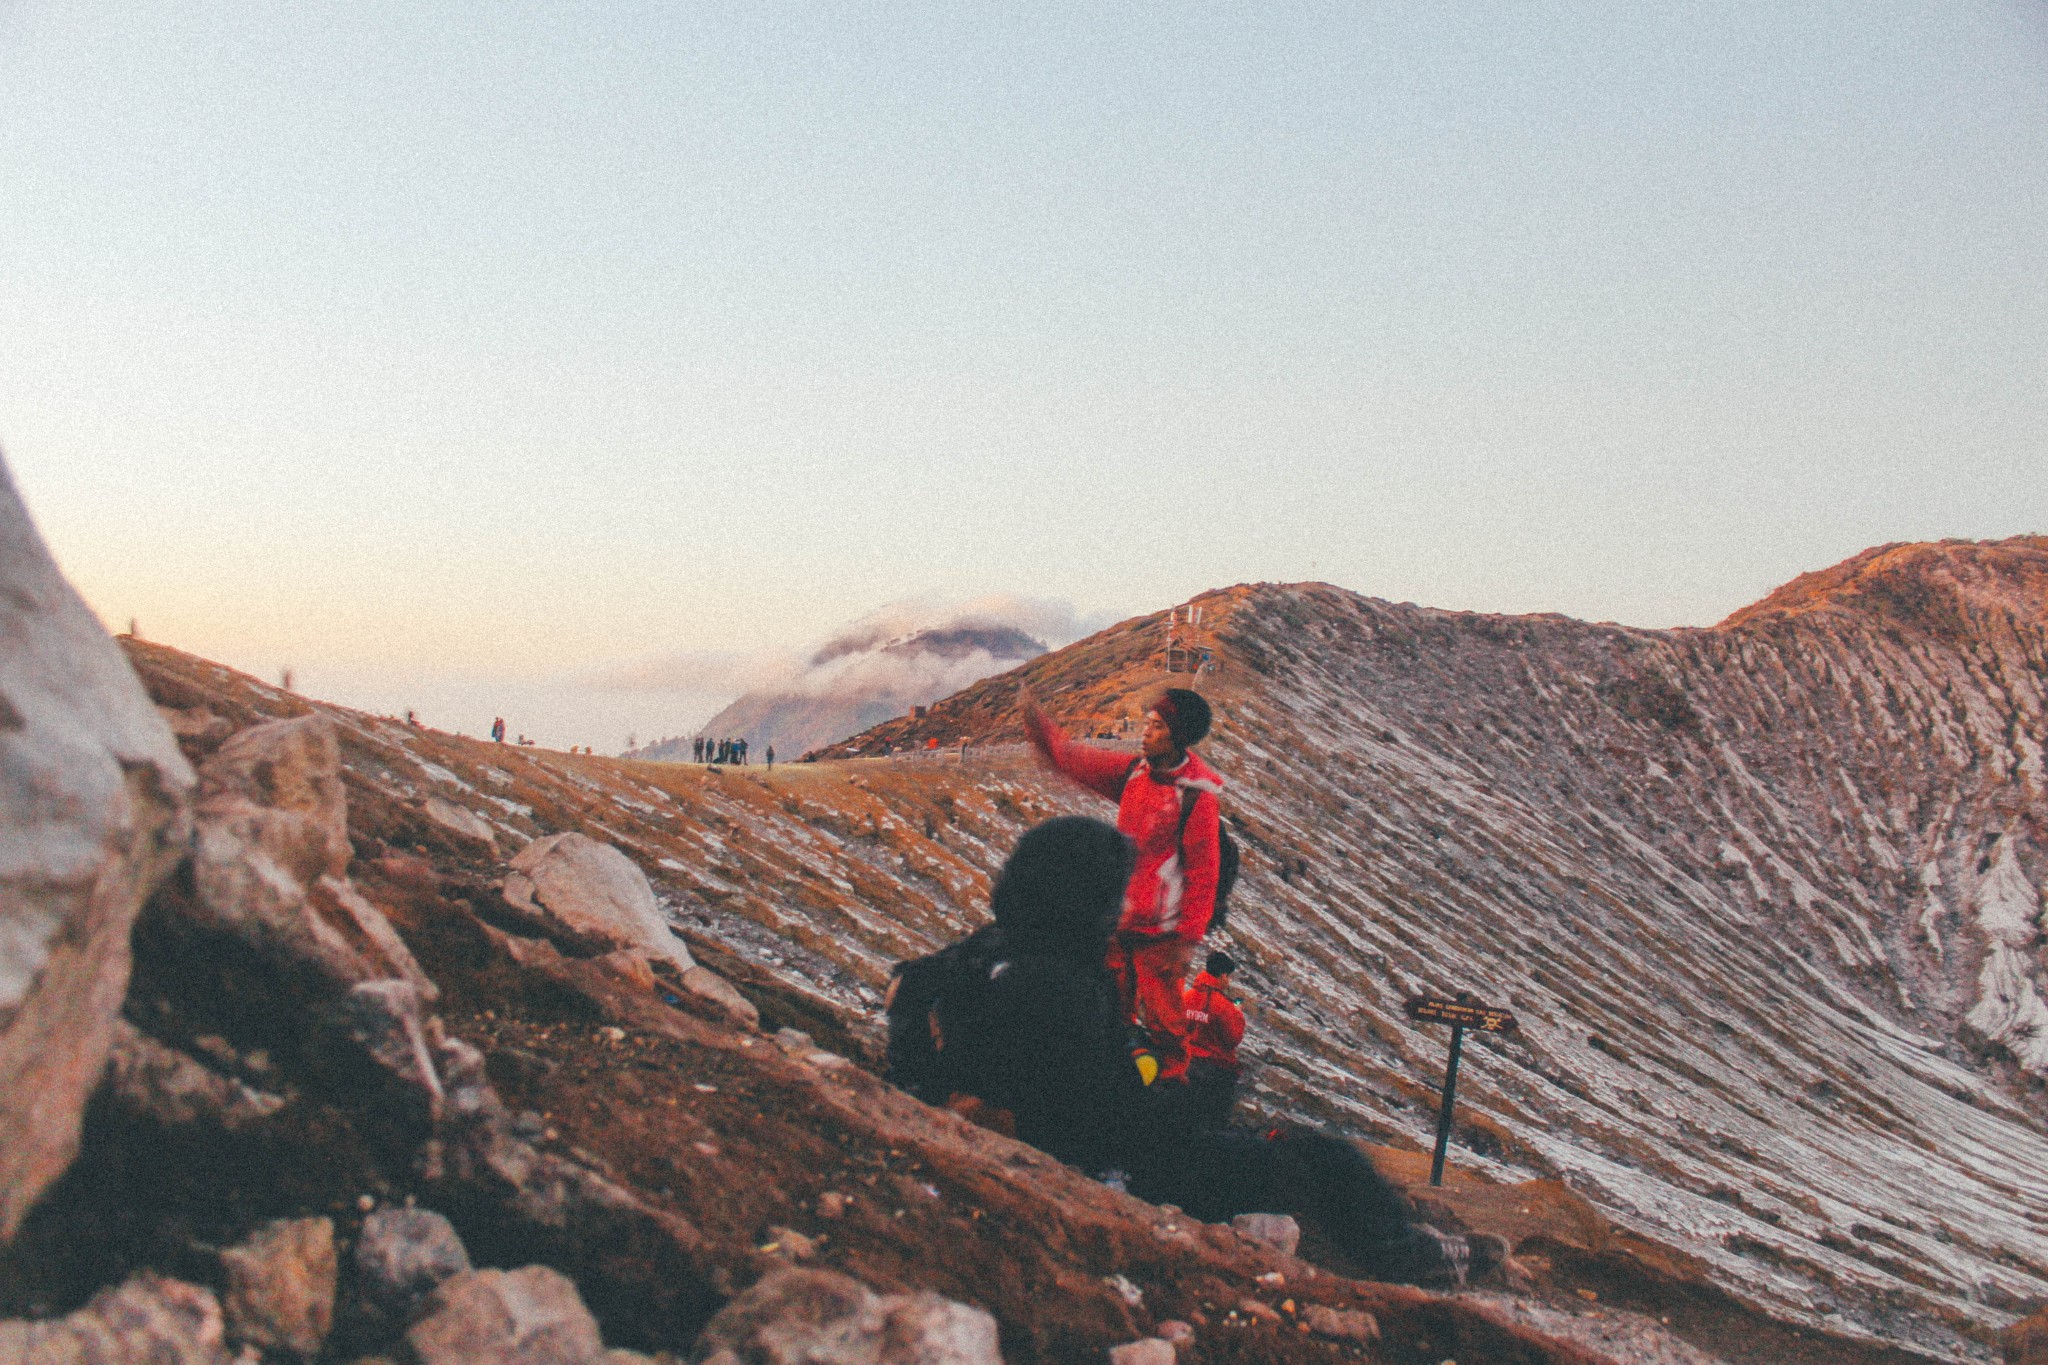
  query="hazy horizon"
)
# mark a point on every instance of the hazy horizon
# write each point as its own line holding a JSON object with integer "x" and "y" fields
{"x": 446, "y": 353}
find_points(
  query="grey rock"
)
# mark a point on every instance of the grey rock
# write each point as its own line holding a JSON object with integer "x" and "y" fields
{"x": 820, "y": 1317}
{"x": 385, "y": 1020}
{"x": 1276, "y": 1230}
{"x": 147, "y": 1078}
{"x": 281, "y": 1286}
{"x": 1144, "y": 1351}
{"x": 709, "y": 986}
{"x": 530, "y": 1316}
{"x": 572, "y": 886}
{"x": 459, "y": 820}
{"x": 272, "y": 857}
{"x": 148, "y": 1319}
{"x": 95, "y": 805}
{"x": 403, "y": 1255}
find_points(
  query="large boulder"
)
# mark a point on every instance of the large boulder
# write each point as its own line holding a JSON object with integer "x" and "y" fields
{"x": 588, "y": 893}
{"x": 94, "y": 810}
{"x": 820, "y": 1317}
{"x": 271, "y": 868}
{"x": 593, "y": 899}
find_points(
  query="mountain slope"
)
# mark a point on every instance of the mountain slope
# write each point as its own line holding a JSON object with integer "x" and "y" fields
{"x": 1766, "y": 898}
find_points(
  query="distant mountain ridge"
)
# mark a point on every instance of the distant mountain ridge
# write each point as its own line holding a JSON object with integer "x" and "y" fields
{"x": 859, "y": 680}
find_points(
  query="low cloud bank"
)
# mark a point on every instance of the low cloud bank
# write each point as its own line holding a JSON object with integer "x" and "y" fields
{"x": 855, "y": 653}
{"x": 902, "y": 655}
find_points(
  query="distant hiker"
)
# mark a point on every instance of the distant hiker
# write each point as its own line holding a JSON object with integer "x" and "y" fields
{"x": 1215, "y": 1028}
{"x": 498, "y": 730}
{"x": 697, "y": 750}
{"x": 743, "y": 751}
{"x": 1172, "y": 893}
{"x": 771, "y": 755}
{"x": 1019, "y": 1028}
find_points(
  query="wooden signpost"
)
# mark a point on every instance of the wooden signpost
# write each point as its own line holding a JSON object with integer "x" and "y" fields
{"x": 1462, "y": 1013}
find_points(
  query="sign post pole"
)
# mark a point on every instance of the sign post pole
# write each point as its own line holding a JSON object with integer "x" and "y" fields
{"x": 1462, "y": 1013}
{"x": 1443, "y": 1117}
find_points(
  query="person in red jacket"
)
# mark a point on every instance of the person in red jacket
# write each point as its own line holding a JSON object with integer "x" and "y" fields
{"x": 1172, "y": 892}
{"x": 1215, "y": 1028}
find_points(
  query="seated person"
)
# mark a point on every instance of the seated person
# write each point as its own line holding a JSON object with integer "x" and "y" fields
{"x": 1215, "y": 1028}
{"x": 1018, "y": 1025}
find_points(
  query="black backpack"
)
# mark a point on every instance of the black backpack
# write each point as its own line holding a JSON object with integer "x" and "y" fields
{"x": 913, "y": 1058}
{"x": 1226, "y": 848}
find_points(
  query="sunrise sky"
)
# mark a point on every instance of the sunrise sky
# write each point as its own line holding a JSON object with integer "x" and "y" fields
{"x": 457, "y": 353}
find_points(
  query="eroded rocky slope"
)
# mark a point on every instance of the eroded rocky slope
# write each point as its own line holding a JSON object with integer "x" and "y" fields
{"x": 1765, "y": 898}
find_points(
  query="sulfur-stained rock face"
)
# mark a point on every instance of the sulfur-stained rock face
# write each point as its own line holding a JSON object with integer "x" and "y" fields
{"x": 93, "y": 812}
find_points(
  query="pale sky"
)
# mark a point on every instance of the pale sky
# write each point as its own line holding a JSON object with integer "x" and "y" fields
{"x": 445, "y": 350}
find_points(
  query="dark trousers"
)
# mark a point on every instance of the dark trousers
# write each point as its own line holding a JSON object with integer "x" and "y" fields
{"x": 1321, "y": 1180}
{"x": 1212, "y": 1092}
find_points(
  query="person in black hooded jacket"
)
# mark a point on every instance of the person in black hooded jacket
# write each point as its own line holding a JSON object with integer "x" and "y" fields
{"x": 1018, "y": 1026}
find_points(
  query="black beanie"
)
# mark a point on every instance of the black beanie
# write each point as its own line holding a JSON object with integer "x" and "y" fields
{"x": 1062, "y": 889}
{"x": 1186, "y": 716}
{"x": 1220, "y": 964}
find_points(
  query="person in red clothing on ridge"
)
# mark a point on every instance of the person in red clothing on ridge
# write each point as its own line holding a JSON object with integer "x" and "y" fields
{"x": 1215, "y": 1028}
{"x": 1172, "y": 892}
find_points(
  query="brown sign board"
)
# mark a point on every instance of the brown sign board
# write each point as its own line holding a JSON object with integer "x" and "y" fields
{"x": 1460, "y": 1013}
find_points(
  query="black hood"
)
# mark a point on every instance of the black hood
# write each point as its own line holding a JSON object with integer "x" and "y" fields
{"x": 1063, "y": 888}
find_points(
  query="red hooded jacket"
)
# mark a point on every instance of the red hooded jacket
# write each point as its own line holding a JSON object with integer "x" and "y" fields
{"x": 1173, "y": 889}
{"x": 1215, "y": 1023}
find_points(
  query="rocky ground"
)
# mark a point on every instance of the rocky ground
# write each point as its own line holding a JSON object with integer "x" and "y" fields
{"x": 1760, "y": 1110}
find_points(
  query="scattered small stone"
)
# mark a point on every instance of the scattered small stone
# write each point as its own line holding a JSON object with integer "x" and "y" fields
{"x": 528, "y": 1124}
{"x": 1175, "y": 1333}
{"x": 366, "y": 1202}
{"x": 1341, "y": 1324}
{"x": 281, "y": 1286}
{"x": 1144, "y": 1351}
{"x": 530, "y": 1316}
{"x": 403, "y": 1255}
{"x": 831, "y": 1204}
{"x": 614, "y": 1034}
{"x": 704, "y": 1089}
{"x": 794, "y": 1041}
{"x": 1273, "y": 1279}
{"x": 1252, "y": 1308}
{"x": 791, "y": 1243}
{"x": 1125, "y": 1290}
{"x": 821, "y": 1315}
{"x": 1276, "y": 1230}
{"x": 704, "y": 1148}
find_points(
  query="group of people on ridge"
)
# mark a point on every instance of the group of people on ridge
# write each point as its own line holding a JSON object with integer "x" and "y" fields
{"x": 703, "y": 750}
{"x": 1069, "y": 1022}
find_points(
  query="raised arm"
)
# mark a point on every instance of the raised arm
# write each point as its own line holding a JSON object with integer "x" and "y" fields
{"x": 1102, "y": 771}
